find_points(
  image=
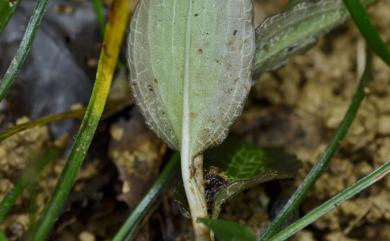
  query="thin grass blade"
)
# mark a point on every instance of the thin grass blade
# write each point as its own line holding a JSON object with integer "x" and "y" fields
{"x": 129, "y": 228}
{"x": 334, "y": 202}
{"x": 2, "y": 236}
{"x": 325, "y": 158}
{"x": 98, "y": 8}
{"x": 27, "y": 178}
{"x": 24, "y": 48}
{"x": 117, "y": 23}
{"x": 111, "y": 109}
{"x": 40, "y": 122}
{"x": 362, "y": 21}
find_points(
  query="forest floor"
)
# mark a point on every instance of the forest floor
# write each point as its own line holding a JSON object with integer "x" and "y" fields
{"x": 297, "y": 107}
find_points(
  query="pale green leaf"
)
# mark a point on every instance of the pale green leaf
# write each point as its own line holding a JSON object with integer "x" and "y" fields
{"x": 190, "y": 68}
{"x": 296, "y": 29}
{"x": 191, "y": 64}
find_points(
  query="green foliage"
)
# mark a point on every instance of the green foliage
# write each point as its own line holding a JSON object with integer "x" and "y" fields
{"x": 190, "y": 71}
{"x": 365, "y": 26}
{"x": 278, "y": 38}
{"x": 40, "y": 122}
{"x": 2, "y": 236}
{"x": 7, "y": 9}
{"x": 99, "y": 13}
{"x": 245, "y": 165}
{"x": 334, "y": 202}
{"x": 24, "y": 48}
{"x": 240, "y": 166}
{"x": 295, "y": 30}
{"x": 250, "y": 161}
{"x": 191, "y": 65}
{"x": 325, "y": 158}
{"x": 229, "y": 231}
{"x": 108, "y": 58}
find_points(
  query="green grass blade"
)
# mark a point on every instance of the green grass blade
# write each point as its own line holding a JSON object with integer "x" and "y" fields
{"x": 129, "y": 228}
{"x": 24, "y": 48}
{"x": 325, "y": 158}
{"x": 111, "y": 109}
{"x": 2, "y": 236}
{"x": 7, "y": 9}
{"x": 115, "y": 31}
{"x": 40, "y": 122}
{"x": 99, "y": 13}
{"x": 27, "y": 177}
{"x": 332, "y": 203}
{"x": 362, "y": 21}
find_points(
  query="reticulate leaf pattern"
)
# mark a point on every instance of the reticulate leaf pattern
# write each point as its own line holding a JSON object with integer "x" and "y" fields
{"x": 190, "y": 66}
{"x": 296, "y": 30}
{"x": 229, "y": 231}
{"x": 243, "y": 165}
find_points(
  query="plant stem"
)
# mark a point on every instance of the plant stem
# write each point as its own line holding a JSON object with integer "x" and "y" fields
{"x": 332, "y": 203}
{"x": 24, "y": 48}
{"x": 192, "y": 174}
{"x": 129, "y": 228}
{"x": 120, "y": 11}
{"x": 29, "y": 175}
{"x": 325, "y": 158}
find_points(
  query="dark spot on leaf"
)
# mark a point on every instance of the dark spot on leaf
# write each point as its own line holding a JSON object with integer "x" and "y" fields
{"x": 290, "y": 49}
{"x": 196, "y": 15}
{"x": 200, "y": 51}
{"x": 235, "y": 32}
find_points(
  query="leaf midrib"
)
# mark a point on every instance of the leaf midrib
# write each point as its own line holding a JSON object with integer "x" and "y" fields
{"x": 186, "y": 138}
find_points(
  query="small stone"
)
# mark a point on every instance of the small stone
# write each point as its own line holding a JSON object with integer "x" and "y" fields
{"x": 86, "y": 236}
{"x": 384, "y": 125}
{"x": 117, "y": 133}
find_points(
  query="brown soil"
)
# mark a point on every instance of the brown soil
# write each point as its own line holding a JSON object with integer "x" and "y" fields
{"x": 300, "y": 106}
